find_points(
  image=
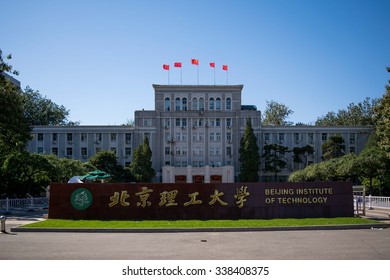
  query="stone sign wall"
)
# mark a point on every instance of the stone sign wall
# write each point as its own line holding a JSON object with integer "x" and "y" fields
{"x": 200, "y": 201}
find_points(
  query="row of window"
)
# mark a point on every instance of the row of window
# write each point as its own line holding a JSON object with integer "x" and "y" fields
{"x": 298, "y": 137}
{"x": 196, "y": 163}
{"x": 84, "y": 137}
{"x": 181, "y": 104}
{"x": 201, "y": 122}
{"x": 83, "y": 151}
{"x": 198, "y": 151}
{"x": 197, "y": 137}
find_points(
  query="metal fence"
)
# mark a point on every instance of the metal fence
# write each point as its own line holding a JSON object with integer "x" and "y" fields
{"x": 8, "y": 204}
{"x": 374, "y": 202}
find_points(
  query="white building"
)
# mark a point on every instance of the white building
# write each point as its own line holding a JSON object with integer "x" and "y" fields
{"x": 194, "y": 133}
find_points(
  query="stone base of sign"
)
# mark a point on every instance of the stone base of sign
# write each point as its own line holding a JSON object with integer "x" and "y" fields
{"x": 200, "y": 201}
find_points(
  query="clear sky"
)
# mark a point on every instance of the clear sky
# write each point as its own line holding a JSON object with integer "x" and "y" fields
{"x": 100, "y": 58}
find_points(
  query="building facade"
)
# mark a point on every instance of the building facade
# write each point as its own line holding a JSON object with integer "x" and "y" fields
{"x": 194, "y": 133}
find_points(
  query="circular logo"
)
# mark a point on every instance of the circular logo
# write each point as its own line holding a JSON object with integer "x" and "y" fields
{"x": 81, "y": 199}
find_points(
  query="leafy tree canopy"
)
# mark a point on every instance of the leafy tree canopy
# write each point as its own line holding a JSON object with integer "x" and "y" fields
{"x": 276, "y": 114}
{"x": 382, "y": 119}
{"x": 355, "y": 115}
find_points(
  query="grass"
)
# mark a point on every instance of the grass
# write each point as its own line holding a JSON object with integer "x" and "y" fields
{"x": 98, "y": 224}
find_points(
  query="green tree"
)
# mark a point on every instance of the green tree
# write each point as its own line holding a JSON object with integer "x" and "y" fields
{"x": 14, "y": 127}
{"x": 355, "y": 115}
{"x": 25, "y": 173}
{"x": 382, "y": 119}
{"x": 276, "y": 114}
{"x": 274, "y": 159}
{"x": 40, "y": 110}
{"x": 141, "y": 165}
{"x": 107, "y": 161}
{"x": 333, "y": 148}
{"x": 249, "y": 155}
{"x": 300, "y": 154}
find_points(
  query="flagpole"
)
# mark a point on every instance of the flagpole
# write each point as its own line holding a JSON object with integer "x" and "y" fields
{"x": 181, "y": 76}
{"x": 214, "y": 76}
{"x": 168, "y": 76}
{"x": 198, "y": 73}
{"x": 227, "y": 77}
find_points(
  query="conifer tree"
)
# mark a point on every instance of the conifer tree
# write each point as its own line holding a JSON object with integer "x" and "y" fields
{"x": 141, "y": 166}
{"x": 249, "y": 155}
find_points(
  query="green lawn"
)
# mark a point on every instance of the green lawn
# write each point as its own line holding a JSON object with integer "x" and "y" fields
{"x": 58, "y": 223}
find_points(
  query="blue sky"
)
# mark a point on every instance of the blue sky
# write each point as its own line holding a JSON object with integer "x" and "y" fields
{"x": 100, "y": 58}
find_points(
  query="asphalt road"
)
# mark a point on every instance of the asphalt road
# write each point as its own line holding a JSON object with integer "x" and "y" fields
{"x": 362, "y": 244}
{"x": 281, "y": 245}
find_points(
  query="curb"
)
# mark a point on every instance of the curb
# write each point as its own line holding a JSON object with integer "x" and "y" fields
{"x": 179, "y": 230}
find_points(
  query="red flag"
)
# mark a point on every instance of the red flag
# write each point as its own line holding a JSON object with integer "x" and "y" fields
{"x": 165, "y": 66}
{"x": 177, "y": 64}
{"x": 212, "y": 64}
{"x": 224, "y": 67}
{"x": 195, "y": 61}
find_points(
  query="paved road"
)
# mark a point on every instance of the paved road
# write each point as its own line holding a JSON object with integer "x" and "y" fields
{"x": 281, "y": 245}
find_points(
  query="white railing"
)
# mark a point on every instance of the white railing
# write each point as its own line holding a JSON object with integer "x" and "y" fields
{"x": 23, "y": 203}
{"x": 374, "y": 202}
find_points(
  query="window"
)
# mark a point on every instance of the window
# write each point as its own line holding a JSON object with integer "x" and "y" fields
{"x": 69, "y": 152}
{"x": 310, "y": 137}
{"x": 167, "y": 136}
{"x": 229, "y": 123}
{"x": 267, "y": 137}
{"x": 324, "y": 136}
{"x": 40, "y": 136}
{"x": 69, "y": 137}
{"x": 167, "y": 104}
{"x": 167, "y": 150}
{"x": 201, "y": 136}
{"x": 296, "y": 137}
{"x": 147, "y": 122}
{"x": 40, "y": 150}
{"x": 218, "y": 104}
{"x": 218, "y": 122}
{"x": 177, "y": 150}
{"x": 184, "y": 104}
{"x": 177, "y": 104}
{"x": 212, "y": 136}
{"x": 167, "y": 123}
{"x": 83, "y": 137}
{"x": 54, "y": 151}
{"x": 128, "y": 138}
{"x": 201, "y": 104}
{"x": 228, "y": 136}
{"x": 177, "y": 122}
{"x": 84, "y": 152}
{"x": 184, "y": 122}
{"x": 211, "y": 104}
{"x": 281, "y": 137}
{"x": 218, "y": 136}
{"x": 98, "y": 137}
{"x": 127, "y": 152}
{"x": 194, "y": 104}
{"x": 228, "y": 104}
{"x": 352, "y": 138}
{"x": 113, "y": 136}
{"x": 54, "y": 137}
{"x": 113, "y": 149}
{"x": 229, "y": 151}
{"x": 200, "y": 122}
